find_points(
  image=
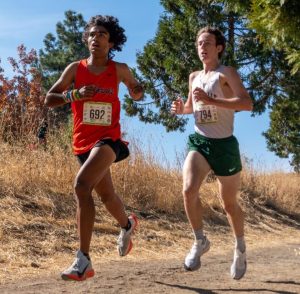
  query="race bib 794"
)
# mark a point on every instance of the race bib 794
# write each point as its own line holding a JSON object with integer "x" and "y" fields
{"x": 206, "y": 114}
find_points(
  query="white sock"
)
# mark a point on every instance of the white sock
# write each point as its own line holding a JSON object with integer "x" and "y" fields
{"x": 240, "y": 244}
{"x": 199, "y": 235}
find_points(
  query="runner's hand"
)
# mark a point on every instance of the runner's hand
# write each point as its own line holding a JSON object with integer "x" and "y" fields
{"x": 200, "y": 95}
{"x": 177, "y": 106}
{"x": 87, "y": 91}
{"x": 137, "y": 92}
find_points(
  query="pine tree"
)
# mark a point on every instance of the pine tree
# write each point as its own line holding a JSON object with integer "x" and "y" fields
{"x": 277, "y": 24}
{"x": 60, "y": 51}
{"x": 167, "y": 59}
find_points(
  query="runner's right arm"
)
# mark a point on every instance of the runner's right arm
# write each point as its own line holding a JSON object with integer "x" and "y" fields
{"x": 178, "y": 106}
{"x": 55, "y": 96}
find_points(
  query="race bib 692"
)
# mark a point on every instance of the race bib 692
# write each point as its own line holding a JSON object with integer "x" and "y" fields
{"x": 97, "y": 113}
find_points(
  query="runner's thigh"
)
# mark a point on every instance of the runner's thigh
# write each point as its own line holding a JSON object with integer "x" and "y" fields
{"x": 97, "y": 165}
{"x": 195, "y": 170}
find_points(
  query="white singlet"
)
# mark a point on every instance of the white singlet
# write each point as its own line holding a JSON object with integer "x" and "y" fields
{"x": 212, "y": 121}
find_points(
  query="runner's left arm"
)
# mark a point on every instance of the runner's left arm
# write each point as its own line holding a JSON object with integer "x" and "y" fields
{"x": 135, "y": 89}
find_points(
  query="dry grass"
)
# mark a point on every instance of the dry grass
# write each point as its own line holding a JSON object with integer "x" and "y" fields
{"x": 278, "y": 191}
{"x": 38, "y": 207}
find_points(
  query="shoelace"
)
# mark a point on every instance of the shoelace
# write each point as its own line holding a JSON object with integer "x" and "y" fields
{"x": 196, "y": 246}
{"x": 194, "y": 249}
{"x": 239, "y": 260}
{"x": 75, "y": 264}
{"x": 120, "y": 239}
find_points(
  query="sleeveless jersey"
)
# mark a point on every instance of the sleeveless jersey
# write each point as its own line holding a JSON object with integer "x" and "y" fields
{"x": 212, "y": 121}
{"x": 99, "y": 117}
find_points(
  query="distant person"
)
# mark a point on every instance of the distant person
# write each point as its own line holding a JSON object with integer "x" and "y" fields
{"x": 41, "y": 134}
{"x": 215, "y": 93}
{"x": 97, "y": 141}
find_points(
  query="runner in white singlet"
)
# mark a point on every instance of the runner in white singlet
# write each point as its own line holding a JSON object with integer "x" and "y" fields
{"x": 215, "y": 93}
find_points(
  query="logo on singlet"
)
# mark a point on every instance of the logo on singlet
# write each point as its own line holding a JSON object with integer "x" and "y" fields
{"x": 211, "y": 95}
{"x": 108, "y": 91}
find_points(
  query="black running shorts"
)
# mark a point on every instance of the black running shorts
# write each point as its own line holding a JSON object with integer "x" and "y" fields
{"x": 119, "y": 147}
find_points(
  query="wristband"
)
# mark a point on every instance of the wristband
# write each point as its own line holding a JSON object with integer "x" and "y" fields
{"x": 67, "y": 96}
{"x": 76, "y": 94}
{"x": 71, "y": 96}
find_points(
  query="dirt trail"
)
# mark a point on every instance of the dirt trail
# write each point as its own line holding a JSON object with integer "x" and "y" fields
{"x": 273, "y": 267}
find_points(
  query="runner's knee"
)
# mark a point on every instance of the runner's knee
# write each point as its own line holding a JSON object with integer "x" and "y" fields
{"x": 82, "y": 188}
{"x": 231, "y": 208}
{"x": 189, "y": 193}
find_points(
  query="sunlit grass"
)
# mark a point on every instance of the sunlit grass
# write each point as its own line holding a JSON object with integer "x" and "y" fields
{"x": 37, "y": 216}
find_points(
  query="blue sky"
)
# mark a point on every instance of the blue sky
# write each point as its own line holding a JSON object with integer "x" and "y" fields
{"x": 27, "y": 22}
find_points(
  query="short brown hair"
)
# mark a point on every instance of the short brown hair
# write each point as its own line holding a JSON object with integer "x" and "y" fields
{"x": 220, "y": 39}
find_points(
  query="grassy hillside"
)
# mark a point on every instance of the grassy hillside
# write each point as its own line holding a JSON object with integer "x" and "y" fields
{"x": 37, "y": 216}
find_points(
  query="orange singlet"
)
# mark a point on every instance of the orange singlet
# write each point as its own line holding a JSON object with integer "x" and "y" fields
{"x": 99, "y": 117}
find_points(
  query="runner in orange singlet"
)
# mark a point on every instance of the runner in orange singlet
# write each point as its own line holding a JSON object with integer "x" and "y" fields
{"x": 97, "y": 138}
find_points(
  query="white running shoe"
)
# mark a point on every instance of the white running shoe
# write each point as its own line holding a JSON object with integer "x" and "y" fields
{"x": 192, "y": 261}
{"x": 80, "y": 270}
{"x": 239, "y": 265}
{"x": 124, "y": 240}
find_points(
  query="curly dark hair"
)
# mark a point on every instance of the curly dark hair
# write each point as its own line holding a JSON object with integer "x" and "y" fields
{"x": 111, "y": 24}
{"x": 220, "y": 39}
